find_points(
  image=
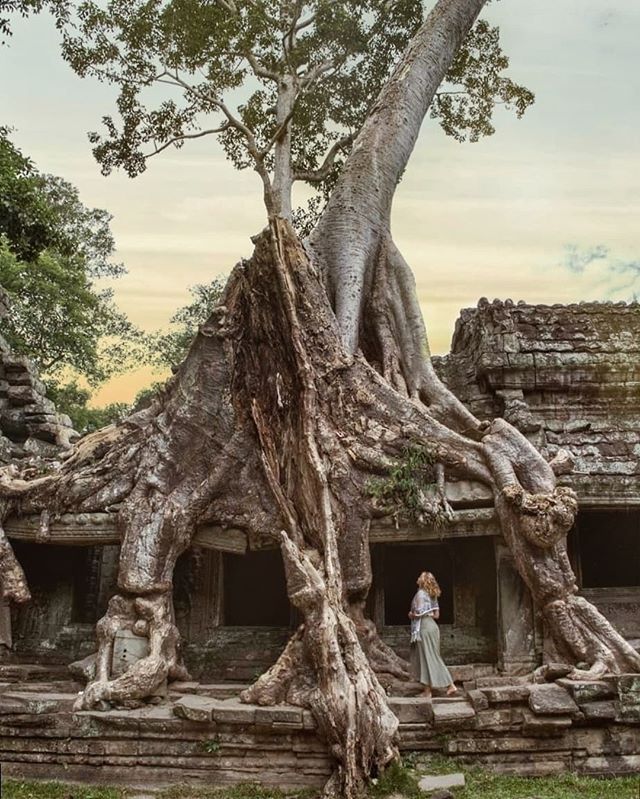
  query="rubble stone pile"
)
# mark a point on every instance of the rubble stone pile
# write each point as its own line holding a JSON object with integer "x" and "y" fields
{"x": 29, "y": 422}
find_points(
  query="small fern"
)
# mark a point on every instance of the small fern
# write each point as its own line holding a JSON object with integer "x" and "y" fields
{"x": 410, "y": 487}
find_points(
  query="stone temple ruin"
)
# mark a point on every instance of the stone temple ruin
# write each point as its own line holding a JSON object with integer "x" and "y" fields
{"x": 567, "y": 377}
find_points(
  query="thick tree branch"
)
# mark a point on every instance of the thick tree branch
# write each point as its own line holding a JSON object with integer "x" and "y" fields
{"x": 184, "y": 137}
{"x": 259, "y": 70}
{"x": 318, "y": 175}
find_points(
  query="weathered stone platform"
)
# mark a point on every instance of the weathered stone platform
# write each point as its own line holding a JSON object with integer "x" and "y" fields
{"x": 202, "y": 733}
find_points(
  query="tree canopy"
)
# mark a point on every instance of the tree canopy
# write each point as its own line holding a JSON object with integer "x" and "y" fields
{"x": 53, "y": 249}
{"x": 284, "y": 85}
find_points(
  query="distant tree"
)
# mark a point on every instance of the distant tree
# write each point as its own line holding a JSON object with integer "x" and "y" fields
{"x": 168, "y": 348}
{"x": 72, "y": 399}
{"x": 52, "y": 250}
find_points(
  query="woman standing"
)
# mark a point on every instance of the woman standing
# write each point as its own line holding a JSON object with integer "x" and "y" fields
{"x": 427, "y": 665}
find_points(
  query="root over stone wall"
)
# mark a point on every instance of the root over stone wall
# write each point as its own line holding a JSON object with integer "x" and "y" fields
{"x": 204, "y": 734}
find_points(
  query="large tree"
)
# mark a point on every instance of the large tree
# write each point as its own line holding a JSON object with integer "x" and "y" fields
{"x": 53, "y": 251}
{"x": 311, "y": 375}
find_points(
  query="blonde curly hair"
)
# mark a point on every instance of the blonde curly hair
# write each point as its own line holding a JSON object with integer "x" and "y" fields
{"x": 428, "y": 583}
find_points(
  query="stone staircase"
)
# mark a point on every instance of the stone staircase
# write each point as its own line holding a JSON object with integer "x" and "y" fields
{"x": 202, "y": 733}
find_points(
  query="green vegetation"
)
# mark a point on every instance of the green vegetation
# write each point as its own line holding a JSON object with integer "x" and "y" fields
{"x": 482, "y": 784}
{"x": 401, "y": 780}
{"x": 72, "y": 399}
{"x": 168, "y": 348}
{"x": 23, "y": 789}
{"x": 408, "y": 487}
{"x": 54, "y": 255}
{"x": 246, "y": 791}
{"x": 177, "y": 66}
{"x": 53, "y": 250}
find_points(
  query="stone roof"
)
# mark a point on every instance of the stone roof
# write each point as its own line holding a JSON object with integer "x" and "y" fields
{"x": 568, "y": 376}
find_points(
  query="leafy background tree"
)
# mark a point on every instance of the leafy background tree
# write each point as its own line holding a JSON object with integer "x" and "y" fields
{"x": 53, "y": 252}
{"x": 168, "y": 348}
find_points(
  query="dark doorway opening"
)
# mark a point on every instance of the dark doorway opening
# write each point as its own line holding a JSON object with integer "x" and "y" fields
{"x": 255, "y": 590}
{"x": 608, "y": 542}
{"x": 402, "y": 565}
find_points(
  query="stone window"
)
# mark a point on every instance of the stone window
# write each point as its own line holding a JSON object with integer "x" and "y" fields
{"x": 254, "y": 590}
{"x": 402, "y": 565}
{"x": 56, "y": 579}
{"x": 608, "y": 543}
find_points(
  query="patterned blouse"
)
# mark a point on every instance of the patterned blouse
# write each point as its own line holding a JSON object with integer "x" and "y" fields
{"x": 422, "y": 605}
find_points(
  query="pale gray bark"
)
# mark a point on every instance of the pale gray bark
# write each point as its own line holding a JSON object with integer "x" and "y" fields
{"x": 347, "y": 238}
{"x": 352, "y": 244}
{"x": 282, "y": 171}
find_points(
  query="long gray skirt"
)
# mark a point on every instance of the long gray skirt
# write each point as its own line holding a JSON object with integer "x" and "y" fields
{"x": 426, "y": 664}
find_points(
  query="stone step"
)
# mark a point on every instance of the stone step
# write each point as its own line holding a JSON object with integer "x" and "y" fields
{"x": 225, "y": 690}
{"x": 453, "y": 715}
{"x": 48, "y": 687}
{"x": 32, "y": 672}
{"x": 32, "y": 703}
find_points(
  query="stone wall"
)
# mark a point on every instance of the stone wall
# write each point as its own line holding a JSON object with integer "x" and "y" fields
{"x": 201, "y": 734}
{"x": 567, "y": 376}
{"x": 29, "y": 422}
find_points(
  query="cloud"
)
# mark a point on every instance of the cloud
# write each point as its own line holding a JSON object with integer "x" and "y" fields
{"x": 578, "y": 259}
{"x": 611, "y": 275}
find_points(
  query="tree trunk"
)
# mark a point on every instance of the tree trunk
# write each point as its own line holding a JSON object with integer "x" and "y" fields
{"x": 310, "y": 377}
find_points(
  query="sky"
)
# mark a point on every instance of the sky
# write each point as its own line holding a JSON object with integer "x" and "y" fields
{"x": 496, "y": 219}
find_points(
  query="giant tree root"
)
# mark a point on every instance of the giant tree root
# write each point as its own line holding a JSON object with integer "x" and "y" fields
{"x": 341, "y": 690}
{"x": 150, "y": 617}
{"x": 535, "y": 516}
{"x": 13, "y": 583}
{"x": 269, "y": 425}
{"x": 579, "y": 628}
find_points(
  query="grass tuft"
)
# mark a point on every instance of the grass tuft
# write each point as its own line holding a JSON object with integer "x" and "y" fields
{"x": 399, "y": 779}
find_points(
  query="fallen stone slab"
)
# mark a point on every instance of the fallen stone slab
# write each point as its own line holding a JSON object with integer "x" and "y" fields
{"x": 453, "y": 714}
{"x": 436, "y": 782}
{"x": 588, "y": 691}
{"x": 543, "y": 726}
{"x": 478, "y": 699}
{"x": 195, "y": 708}
{"x": 551, "y": 700}
{"x": 411, "y": 710}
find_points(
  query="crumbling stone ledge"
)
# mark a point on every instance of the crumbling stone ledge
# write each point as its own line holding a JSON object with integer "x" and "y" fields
{"x": 204, "y": 734}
